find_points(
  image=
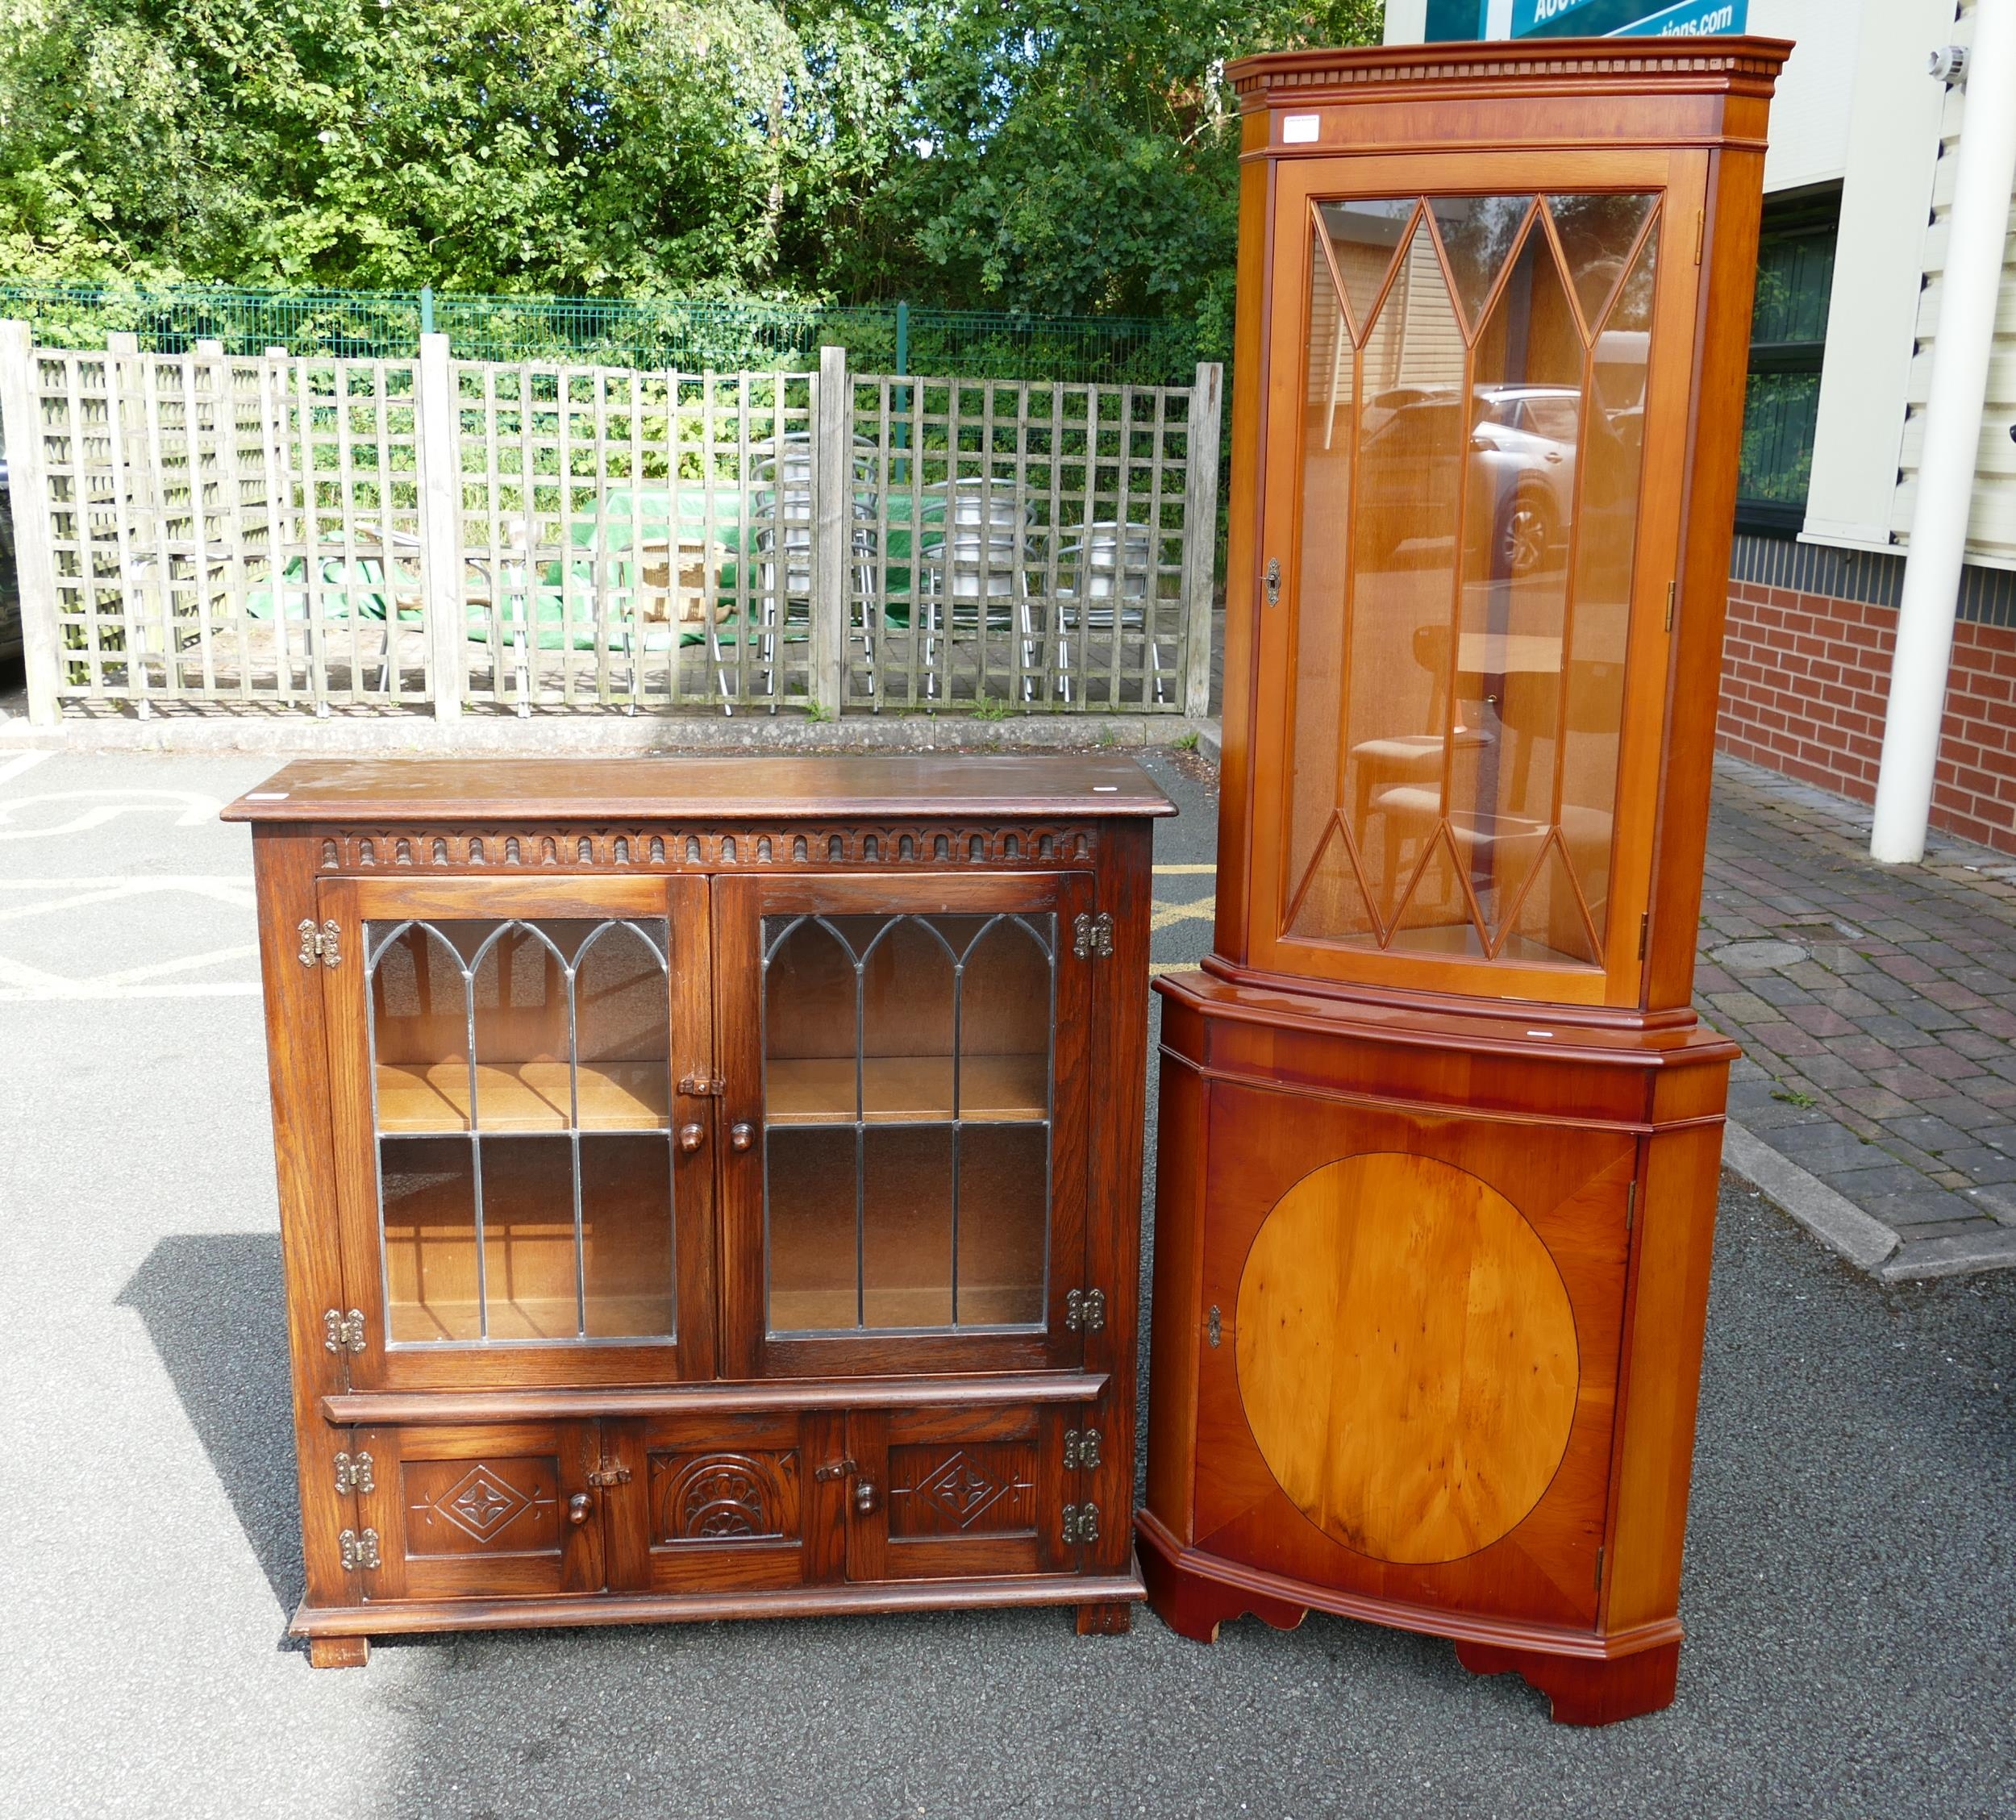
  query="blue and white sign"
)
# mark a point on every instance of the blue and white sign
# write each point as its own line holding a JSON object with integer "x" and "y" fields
{"x": 1693, "y": 18}
{"x": 1528, "y": 14}
{"x": 1611, "y": 18}
{"x": 1449, "y": 19}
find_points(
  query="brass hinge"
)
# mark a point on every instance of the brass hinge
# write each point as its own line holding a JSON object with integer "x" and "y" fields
{"x": 703, "y": 1086}
{"x": 610, "y": 1473}
{"x": 1084, "y": 1310}
{"x": 324, "y": 944}
{"x": 1599, "y": 1567}
{"x": 341, "y": 1332}
{"x": 1092, "y": 936}
{"x": 359, "y": 1549}
{"x": 1213, "y": 1332}
{"x": 1672, "y": 589}
{"x": 353, "y": 1473}
{"x": 1081, "y": 1450}
{"x": 1645, "y": 933}
{"x": 1700, "y": 234}
{"x": 1080, "y": 1524}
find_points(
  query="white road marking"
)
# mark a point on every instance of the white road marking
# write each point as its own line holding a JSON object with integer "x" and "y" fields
{"x": 20, "y": 983}
{"x": 75, "y": 991}
{"x": 191, "y": 810}
{"x": 12, "y": 768}
{"x": 82, "y": 891}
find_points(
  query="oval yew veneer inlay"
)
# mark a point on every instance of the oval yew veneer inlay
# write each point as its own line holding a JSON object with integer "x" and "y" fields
{"x": 1406, "y": 1356}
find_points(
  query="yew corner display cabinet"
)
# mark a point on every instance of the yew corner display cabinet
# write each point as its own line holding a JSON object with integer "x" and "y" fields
{"x": 1439, "y": 1134}
{"x": 709, "y": 1188}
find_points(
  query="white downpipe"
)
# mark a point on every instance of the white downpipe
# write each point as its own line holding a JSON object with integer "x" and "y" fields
{"x": 1978, "y": 231}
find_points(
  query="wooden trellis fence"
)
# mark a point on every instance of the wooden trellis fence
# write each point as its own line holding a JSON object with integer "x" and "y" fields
{"x": 207, "y": 531}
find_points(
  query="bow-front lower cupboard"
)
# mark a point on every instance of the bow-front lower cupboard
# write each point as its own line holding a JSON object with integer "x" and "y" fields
{"x": 709, "y": 1188}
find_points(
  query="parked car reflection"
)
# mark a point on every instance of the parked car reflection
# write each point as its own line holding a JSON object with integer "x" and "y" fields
{"x": 1520, "y": 442}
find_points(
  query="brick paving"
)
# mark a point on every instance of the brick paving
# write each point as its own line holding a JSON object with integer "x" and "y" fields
{"x": 1877, "y": 1008}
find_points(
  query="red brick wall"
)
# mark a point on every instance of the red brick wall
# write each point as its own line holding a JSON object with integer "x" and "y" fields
{"x": 1804, "y": 678}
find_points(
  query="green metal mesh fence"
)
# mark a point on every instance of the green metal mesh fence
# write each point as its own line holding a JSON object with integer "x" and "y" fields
{"x": 722, "y": 335}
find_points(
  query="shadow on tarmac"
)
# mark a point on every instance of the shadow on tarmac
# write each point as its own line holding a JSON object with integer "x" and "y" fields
{"x": 213, "y": 1305}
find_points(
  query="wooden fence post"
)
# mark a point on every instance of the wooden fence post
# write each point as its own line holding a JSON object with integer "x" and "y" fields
{"x": 20, "y": 411}
{"x": 832, "y": 519}
{"x": 438, "y": 431}
{"x": 1200, "y": 535}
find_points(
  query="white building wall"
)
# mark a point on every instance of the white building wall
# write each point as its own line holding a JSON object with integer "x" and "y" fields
{"x": 1991, "y": 534}
{"x": 1406, "y": 21}
{"x": 1892, "y": 146}
{"x": 1809, "y": 112}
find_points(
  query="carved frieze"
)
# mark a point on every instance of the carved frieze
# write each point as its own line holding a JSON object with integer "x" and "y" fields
{"x": 899, "y": 846}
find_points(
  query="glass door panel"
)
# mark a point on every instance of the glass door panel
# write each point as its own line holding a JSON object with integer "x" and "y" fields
{"x": 893, "y": 1046}
{"x": 1473, "y": 387}
{"x": 908, "y": 1053}
{"x": 521, "y": 1073}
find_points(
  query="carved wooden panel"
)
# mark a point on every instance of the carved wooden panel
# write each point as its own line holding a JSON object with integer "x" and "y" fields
{"x": 985, "y": 1488}
{"x": 482, "y": 1507}
{"x": 715, "y": 1497}
{"x": 784, "y": 848}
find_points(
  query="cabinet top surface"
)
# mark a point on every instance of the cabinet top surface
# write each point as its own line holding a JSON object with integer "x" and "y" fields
{"x": 712, "y": 789}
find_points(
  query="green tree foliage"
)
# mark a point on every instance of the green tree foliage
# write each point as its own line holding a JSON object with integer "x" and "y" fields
{"x": 1044, "y": 155}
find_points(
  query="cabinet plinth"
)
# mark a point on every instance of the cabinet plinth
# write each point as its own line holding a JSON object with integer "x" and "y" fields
{"x": 691, "y": 1178}
{"x": 1440, "y": 1132}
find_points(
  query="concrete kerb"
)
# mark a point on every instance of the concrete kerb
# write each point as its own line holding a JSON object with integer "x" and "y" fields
{"x": 593, "y": 735}
{"x": 1841, "y": 1225}
{"x": 1831, "y": 1217}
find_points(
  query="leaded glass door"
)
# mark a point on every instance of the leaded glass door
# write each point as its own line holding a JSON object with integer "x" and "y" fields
{"x": 1465, "y": 563}
{"x": 524, "y": 1170}
{"x": 906, "y": 1175}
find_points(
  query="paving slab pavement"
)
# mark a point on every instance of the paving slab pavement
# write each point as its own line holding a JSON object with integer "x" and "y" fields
{"x": 1851, "y": 1579}
{"x": 1877, "y": 1008}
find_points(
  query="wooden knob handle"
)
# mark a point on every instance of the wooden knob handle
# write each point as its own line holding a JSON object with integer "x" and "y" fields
{"x": 690, "y": 1137}
{"x": 864, "y": 1496}
{"x": 577, "y": 1508}
{"x": 741, "y": 1135}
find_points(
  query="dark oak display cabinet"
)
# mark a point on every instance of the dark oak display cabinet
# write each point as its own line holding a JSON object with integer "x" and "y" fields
{"x": 1439, "y": 1132}
{"x": 710, "y": 1188}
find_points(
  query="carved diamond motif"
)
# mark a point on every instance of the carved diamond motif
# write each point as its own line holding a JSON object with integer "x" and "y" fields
{"x": 961, "y": 1490}
{"x": 481, "y": 1502}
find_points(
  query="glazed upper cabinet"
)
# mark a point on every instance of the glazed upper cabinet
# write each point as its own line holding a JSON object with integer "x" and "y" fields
{"x": 534, "y": 1097}
{"x": 1468, "y": 565}
{"x": 710, "y": 1186}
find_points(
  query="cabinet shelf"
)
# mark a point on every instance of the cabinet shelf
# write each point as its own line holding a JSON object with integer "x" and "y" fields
{"x": 907, "y": 1089}
{"x": 434, "y": 1097}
